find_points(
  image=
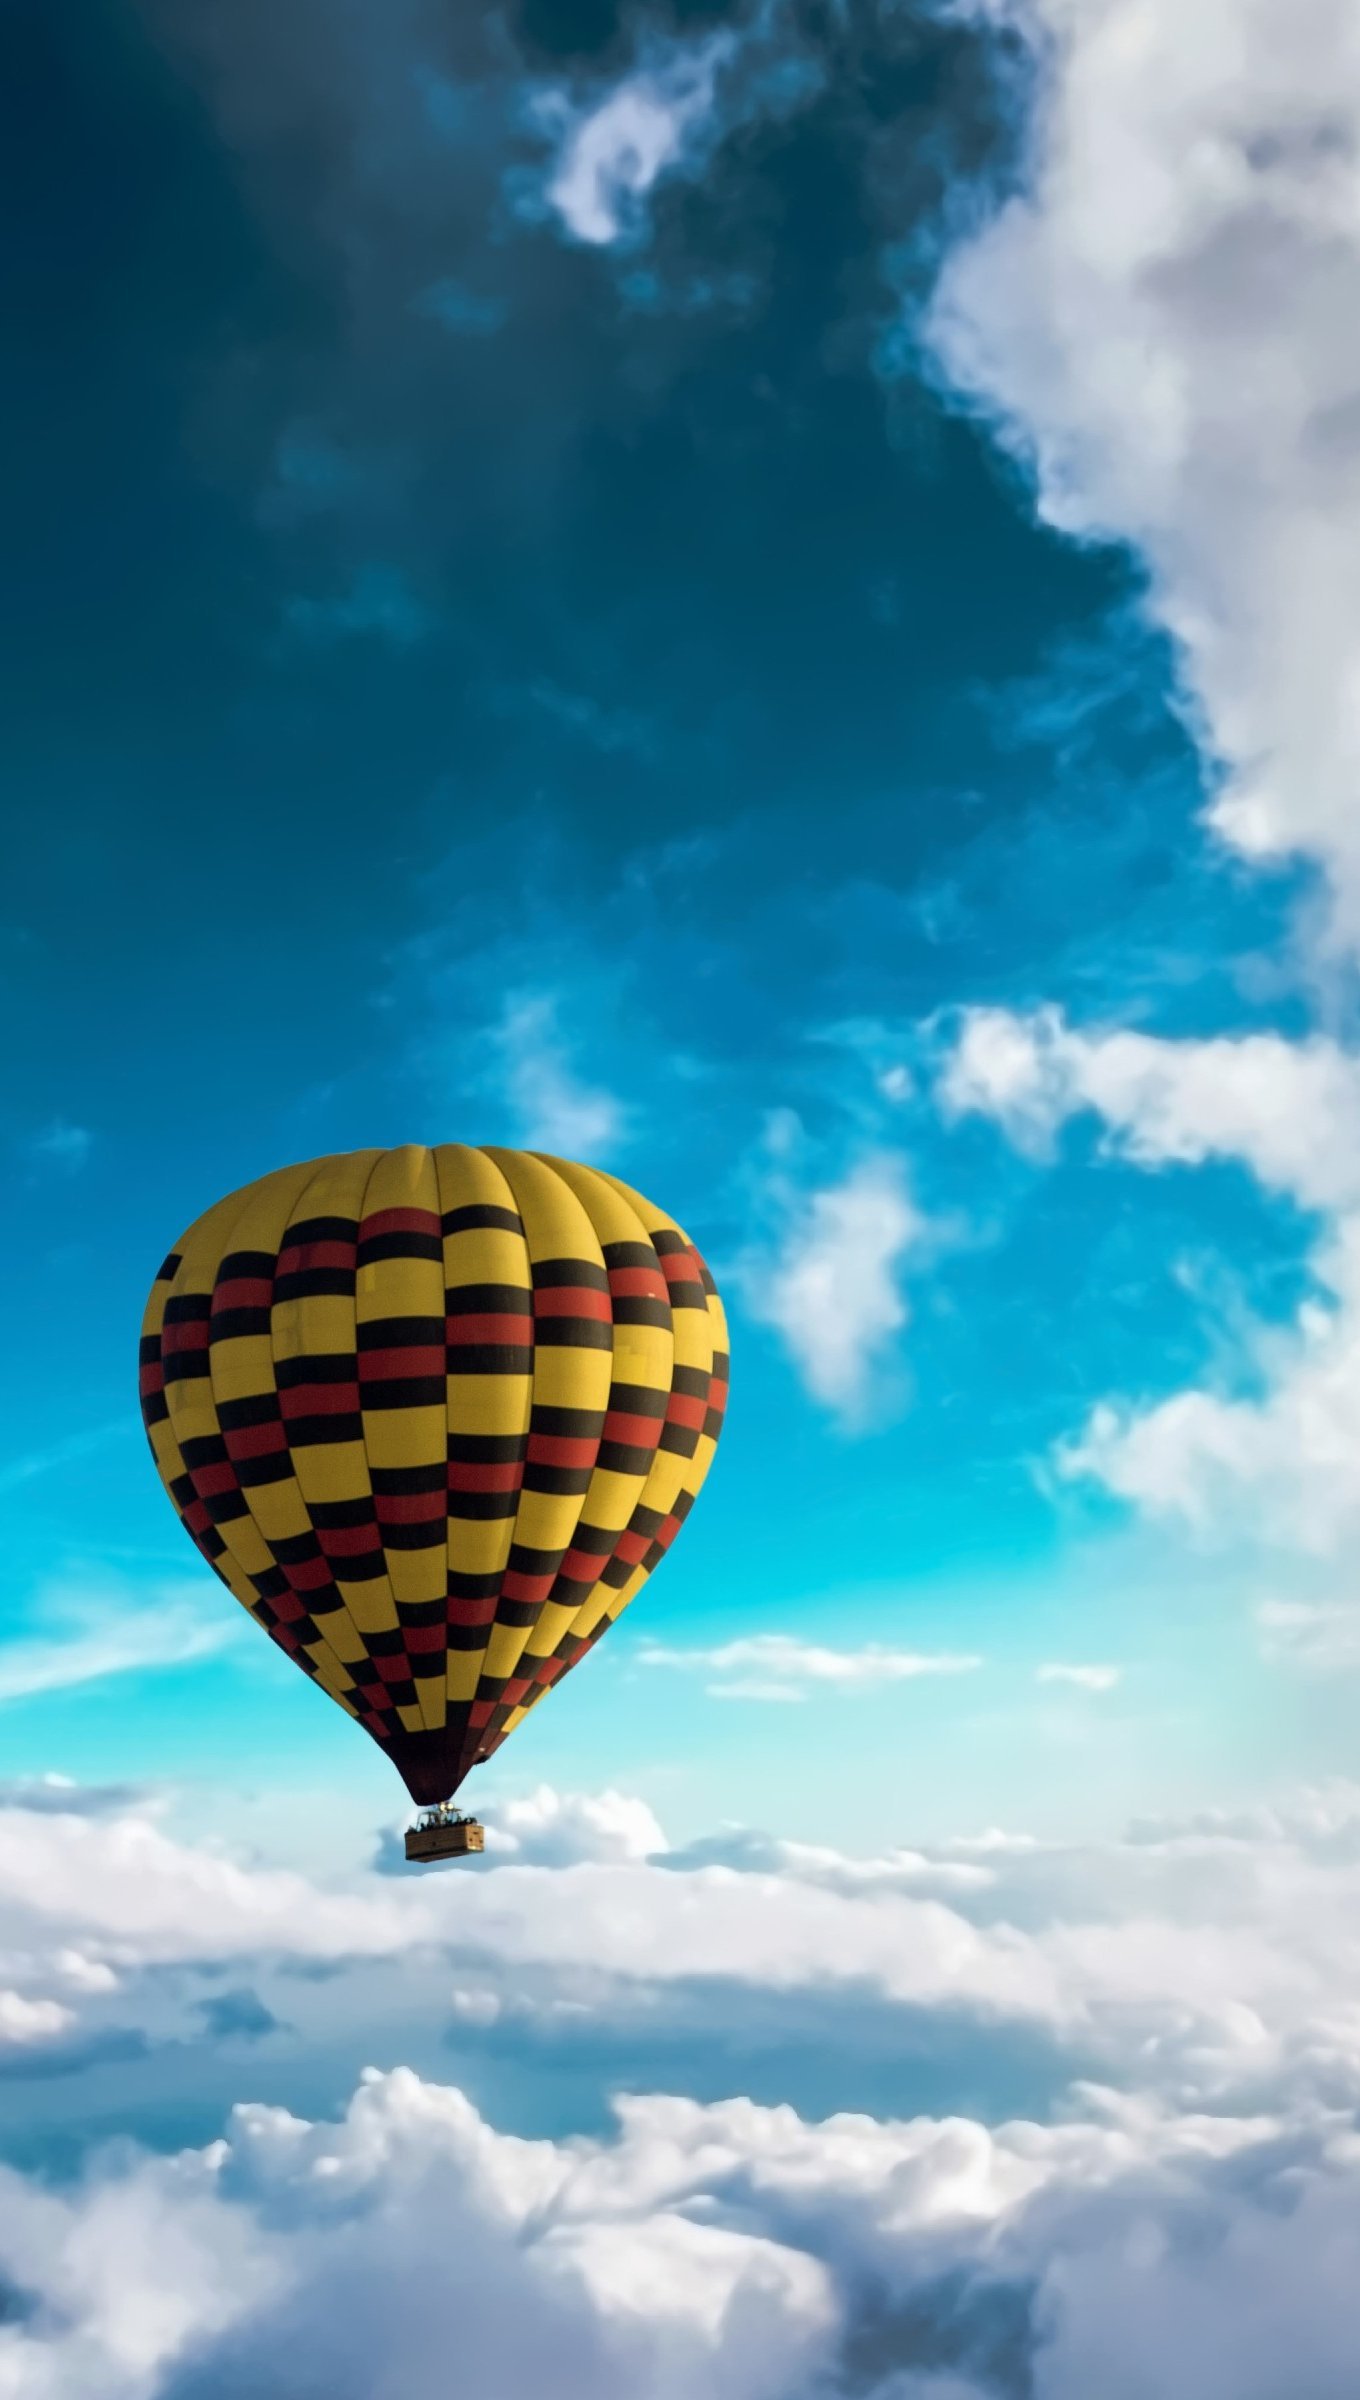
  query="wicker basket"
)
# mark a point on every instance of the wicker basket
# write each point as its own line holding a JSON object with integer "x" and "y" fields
{"x": 425, "y": 1842}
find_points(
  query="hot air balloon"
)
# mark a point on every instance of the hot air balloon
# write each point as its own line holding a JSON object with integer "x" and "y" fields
{"x": 434, "y": 1416}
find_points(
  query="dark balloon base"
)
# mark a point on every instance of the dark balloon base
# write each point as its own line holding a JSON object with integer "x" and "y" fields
{"x": 429, "y": 1764}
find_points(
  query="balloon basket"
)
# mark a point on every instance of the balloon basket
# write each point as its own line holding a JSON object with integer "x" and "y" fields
{"x": 434, "y": 1838}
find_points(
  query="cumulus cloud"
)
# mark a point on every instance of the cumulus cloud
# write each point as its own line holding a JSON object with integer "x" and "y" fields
{"x": 1164, "y": 325}
{"x": 548, "y": 1828}
{"x": 740, "y": 2250}
{"x": 114, "y": 1882}
{"x": 778, "y": 1666}
{"x": 1289, "y": 1111}
{"x": 833, "y": 1291}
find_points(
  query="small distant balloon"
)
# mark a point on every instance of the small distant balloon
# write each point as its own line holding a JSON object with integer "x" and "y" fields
{"x": 434, "y": 1417}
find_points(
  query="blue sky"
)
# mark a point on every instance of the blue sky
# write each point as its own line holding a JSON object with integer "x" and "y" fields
{"x": 761, "y": 596}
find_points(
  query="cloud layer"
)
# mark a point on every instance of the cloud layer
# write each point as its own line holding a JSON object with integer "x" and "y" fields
{"x": 736, "y": 2249}
{"x": 1182, "y": 2227}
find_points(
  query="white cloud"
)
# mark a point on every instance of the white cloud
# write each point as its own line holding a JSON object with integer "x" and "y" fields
{"x": 833, "y": 1291}
{"x": 552, "y": 1829}
{"x": 614, "y": 145}
{"x": 556, "y": 1110}
{"x": 1165, "y": 325}
{"x": 23, "y": 2020}
{"x": 778, "y": 1666}
{"x": 1085, "y": 1679}
{"x": 660, "y": 120}
{"x": 117, "y": 1887}
{"x": 752, "y": 1853}
{"x": 1289, "y": 1111}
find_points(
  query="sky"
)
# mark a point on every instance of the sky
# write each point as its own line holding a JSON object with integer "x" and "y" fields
{"x": 763, "y": 595}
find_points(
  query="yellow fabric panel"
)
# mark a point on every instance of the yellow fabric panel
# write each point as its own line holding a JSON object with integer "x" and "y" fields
{"x": 555, "y": 1618}
{"x": 246, "y": 1365}
{"x": 331, "y": 1672}
{"x": 371, "y": 1606}
{"x": 503, "y": 1651}
{"x": 555, "y": 1223}
{"x": 329, "y": 1473}
{"x": 463, "y": 1673}
{"x": 489, "y": 1404}
{"x": 432, "y": 1699}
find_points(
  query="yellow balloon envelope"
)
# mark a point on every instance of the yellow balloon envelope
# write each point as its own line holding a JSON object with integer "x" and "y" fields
{"x": 434, "y": 1416}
